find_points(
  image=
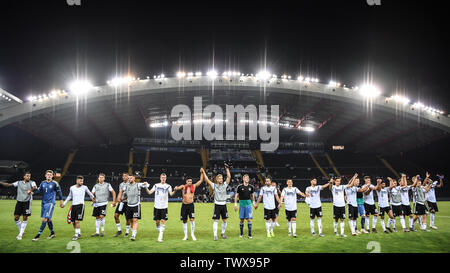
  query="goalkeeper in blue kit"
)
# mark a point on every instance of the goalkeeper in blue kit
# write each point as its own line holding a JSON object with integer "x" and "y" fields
{"x": 49, "y": 189}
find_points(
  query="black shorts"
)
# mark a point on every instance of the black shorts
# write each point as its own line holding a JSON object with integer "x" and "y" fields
{"x": 432, "y": 206}
{"x": 370, "y": 209}
{"x": 187, "y": 211}
{"x": 160, "y": 214}
{"x": 133, "y": 212}
{"x": 23, "y": 208}
{"x": 315, "y": 212}
{"x": 121, "y": 208}
{"x": 384, "y": 210}
{"x": 397, "y": 210}
{"x": 77, "y": 212}
{"x": 406, "y": 210}
{"x": 291, "y": 214}
{"x": 269, "y": 214}
{"x": 352, "y": 212}
{"x": 338, "y": 212}
{"x": 420, "y": 209}
{"x": 220, "y": 211}
{"x": 99, "y": 211}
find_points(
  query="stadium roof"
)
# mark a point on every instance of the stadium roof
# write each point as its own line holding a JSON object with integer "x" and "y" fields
{"x": 125, "y": 108}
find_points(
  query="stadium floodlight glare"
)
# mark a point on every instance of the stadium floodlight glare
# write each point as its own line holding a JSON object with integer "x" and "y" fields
{"x": 181, "y": 74}
{"x": 332, "y": 84}
{"x": 79, "y": 87}
{"x": 300, "y": 78}
{"x": 400, "y": 99}
{"x": 212, "y": 73}
{"x": 263, "y": 75}
{"x": 198, "y": 73}
{"x": 369, "y": 91}
{"x": 307, "y": 128}
{"x": 190, "y": 74}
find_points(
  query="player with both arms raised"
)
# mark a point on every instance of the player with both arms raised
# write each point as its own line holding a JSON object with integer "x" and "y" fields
{"x": 76, "y": 194}
{"x": 187, "y": 207}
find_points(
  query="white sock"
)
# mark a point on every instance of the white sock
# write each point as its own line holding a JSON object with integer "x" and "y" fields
{"x": 402, "y": 221}
{"x": 158, "y": 227}
{"x": 192, "y": 227}
{"x": 294, "y": 227}
{"x": 374, "y": 221}
{"x": 352, "y": 227}
{"x": 272, "y": 226}
{"x": 22, "y": 228}
{"x": 215, "y": 227}
{"x": 18, "y": 224}
{"x": 268, "y": 226}
{"x": 289, "y": 227}
{"x": 102, "y": 224}
{"x": 393, "y": 223}
{"x": 383, "y": 225}
{"x": 335, "y": 224}
{"x": 185, "y": 229}
{"x": 431, "y": 219}
{"x": 388, "y": 223}
{"x": 97, "y": 226}
{"x": 127, "y": 229}
{"x": 342, "y": 227}
{"x": 411, "y": 222}
{"x": 420, "y": 220}
{"x": 162, "y": 228}
{"x": 366, "y": 222}
{"x": 319, "y": 224}
{"x": 311, "y": 224}
{"x": 133, "y": 232}
{"x": 77, "y": 231}
{"x": 224, "y": 227}
{"x": 119, "y": 228}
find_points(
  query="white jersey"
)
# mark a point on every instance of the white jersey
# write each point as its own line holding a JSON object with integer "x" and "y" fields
{"x": 290, "y": 198}
{"x": 338, "y": 195}
{"x": 268, "y": 194}
{"x": 77, "y": 195}
{"x": 351, "y": 196}
{"x": 383, "y": 197}
{"x": 162, "y": 195}
{"x": 314, "y": 198}
{"x": 405, "y": 195}
{"x": 110, "y": 189}
{"x": 368, "y": 199}
{"x": 431, "y": 195}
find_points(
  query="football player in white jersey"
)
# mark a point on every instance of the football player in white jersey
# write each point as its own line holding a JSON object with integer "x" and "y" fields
{"x": 369, "y": 205}
{"x": 338, "y": 191}
{"x": 406, "y": 207}
{"x": 162, "y": 191}
{"x": 289, "y": 195}
{"x": 383, "y": 204}
{"x": 269, "y": 192}
{"x": 351, "y": 190}
{"x": 396, "y": 204}
{"x": 431, "y": 198}
{"x": 315, "y": 205}
{"x": 420, "y": 209}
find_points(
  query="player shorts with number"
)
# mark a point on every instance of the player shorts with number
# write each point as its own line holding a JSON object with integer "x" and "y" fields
{"x": 338, "y": 212}
{"x": 47, "y": 210}
{"x": 419, "y": 209}
{"x": 269, "y": 214}
{"x": 315, "y": 212}
{"x": 187, "y": 211}
{"x": 432, "y": 206}
{"x": 133, "y": 212}
{"x": 220, "y": 211}
{"x": 77, "y": 212}
{"x": 370, "y": 209}
{"x": 23, "y": 208}
{"x": 121, "y": 208}
{"x": 384, "y": 210}
{"x": 352, "y": 212}
{"x": 397, "y": 210}
{"x": 160, "y": 214}
{"x": 245, "y": 212}
{"x": 291, "y": 214}
{"x": 99, "y": 211}
{"x": 406, "y": 210}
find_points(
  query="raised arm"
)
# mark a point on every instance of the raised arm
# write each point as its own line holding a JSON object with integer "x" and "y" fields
{"x": 378, "y": 187}
{"x": 200, "y": 181}
{"x": 228, "y": 175}
{"x": 441, "y": 181}
{"x": 330, "y": 184}
{"x": 352, "y": 180}
{"x": 324, "y": 186}
{"x": 206, "y": 177}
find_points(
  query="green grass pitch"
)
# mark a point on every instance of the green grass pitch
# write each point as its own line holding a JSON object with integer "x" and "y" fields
{"x": 413, "y": 242}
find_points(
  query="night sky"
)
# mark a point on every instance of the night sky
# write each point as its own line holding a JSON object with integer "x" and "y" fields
{"x": 401, "y": 45}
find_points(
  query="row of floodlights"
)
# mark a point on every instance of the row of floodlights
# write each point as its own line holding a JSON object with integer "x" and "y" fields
{"x": 3, "y": 96}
